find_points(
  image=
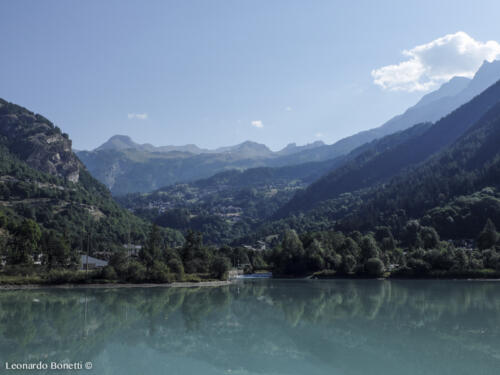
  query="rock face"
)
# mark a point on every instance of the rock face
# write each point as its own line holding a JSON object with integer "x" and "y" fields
{"x": 39, "y": 143}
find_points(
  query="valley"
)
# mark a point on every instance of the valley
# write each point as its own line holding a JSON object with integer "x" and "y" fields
{"x": 420, "y": 201}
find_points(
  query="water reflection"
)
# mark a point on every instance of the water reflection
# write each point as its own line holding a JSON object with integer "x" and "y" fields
{"x": 260, "y": 327}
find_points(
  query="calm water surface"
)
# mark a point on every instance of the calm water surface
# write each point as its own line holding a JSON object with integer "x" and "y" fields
{"x": 259, "y": 327}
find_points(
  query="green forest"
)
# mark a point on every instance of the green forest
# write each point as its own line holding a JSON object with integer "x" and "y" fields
{"x": 422, "y": 202}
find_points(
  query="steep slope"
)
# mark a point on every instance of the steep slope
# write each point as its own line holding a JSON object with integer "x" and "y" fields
{"x": 41, "y": 179}
{"x": 126, "y": 167}
{"x": 231, "y": 204}
{"x": 38, "y": 142}
{"x": 430, "y": 108}
{"x": 468, "y": 166}
{"x": 368, "y": 168}
{"x": 225, "y": 206}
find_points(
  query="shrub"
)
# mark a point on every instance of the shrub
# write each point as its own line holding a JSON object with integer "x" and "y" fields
{"x": 61, "y": 276}
{"x": 176, "y": 267}
{"x": 374, "y": 267}
{"x": 191, "y": 278}
{"x": 160, "y": 273}
{"x": 219, "y": 268}
{"x": 109, "y": 273}
{"x": 348, "y": 264}
{"x": 419, "y": 266}
{"x": 135, "y": 272}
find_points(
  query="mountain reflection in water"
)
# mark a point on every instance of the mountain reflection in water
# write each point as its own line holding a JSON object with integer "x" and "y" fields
{"x": 260, "y": 327}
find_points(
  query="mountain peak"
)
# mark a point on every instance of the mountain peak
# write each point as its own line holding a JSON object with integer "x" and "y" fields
{"x": 251, "y": 149}
{"x": 292, "y": 148}
{"x": 451, "y": 88}
{"x": 487, "y": 74}
{"x": 118, "y": 142}
{"x": 489, "y": 70}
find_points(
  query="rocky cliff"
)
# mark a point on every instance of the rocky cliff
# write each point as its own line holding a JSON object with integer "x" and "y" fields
{"x": 39, "y": 143}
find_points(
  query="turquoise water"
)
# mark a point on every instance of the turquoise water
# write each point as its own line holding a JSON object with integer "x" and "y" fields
{"x": 259, "y": 327}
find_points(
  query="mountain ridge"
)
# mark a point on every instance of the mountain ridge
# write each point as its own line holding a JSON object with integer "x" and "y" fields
{"x": 44, "y": 184}
{"x": 367, "y": 170}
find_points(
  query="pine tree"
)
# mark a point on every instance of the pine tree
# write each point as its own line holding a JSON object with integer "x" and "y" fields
{"x": 488, "y": 236}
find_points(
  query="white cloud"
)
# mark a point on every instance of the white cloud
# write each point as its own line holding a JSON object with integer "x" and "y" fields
{"x": 318, "y": 135}
{"x": 431, "y": 64}
{"x": 288, "y": 109}
{"x": 257, "y": 124}
{"x": 137, "y": 116}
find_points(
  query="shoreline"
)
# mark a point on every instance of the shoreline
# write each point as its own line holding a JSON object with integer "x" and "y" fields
{"x": 186, "y": 284}
{"x": 214, "y": 284}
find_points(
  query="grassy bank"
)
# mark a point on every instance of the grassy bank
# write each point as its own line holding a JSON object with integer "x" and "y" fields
{"x": 94, "y": 277}
{"x": 400, "y": 274}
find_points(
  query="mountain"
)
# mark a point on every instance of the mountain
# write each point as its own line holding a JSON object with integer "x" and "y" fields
{"x": 430, "y": 108}
{"x": 222, "y": 207}
{"x": 119, "y": 142}
{"x": 370, "y": 167}
{"x": 42, "y": 180}
{"x": 453, "y": 87}
{"x": 126, "y": 167}
{"x": 246, "y": 150}
{"x": 124, "y": 142}
{"x": 292, "y": 148}
{"x": 38, "y": 142}
{"x": 229, "y": 204}
{"x": 455, "y": 191}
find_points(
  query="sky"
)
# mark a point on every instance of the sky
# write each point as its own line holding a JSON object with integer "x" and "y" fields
{"x": 217, "y": 73}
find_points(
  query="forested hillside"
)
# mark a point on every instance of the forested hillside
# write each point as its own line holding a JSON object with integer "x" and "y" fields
{"x": 468, "y": 166}
{"x": 420, "y": 202}
{"x": 49, "y": 203}
{"x": 437, "y": 218}
{"x": 231, "y": 205}
{"x": 371, "y": 168}
{"x": 228, "y": 205}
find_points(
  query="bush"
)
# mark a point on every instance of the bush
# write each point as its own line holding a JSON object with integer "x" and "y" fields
{"x": 19, "y": 270}
{"x": 191, "y": 278}
{"x": 176, "y": 267}
{"x": 20, "y": 280}
{"x": 135, "y": 272}
{"x": 61, "y": 276}
{"x": 219, "y": 268}
{"x": 160, "y": 273}
{"x": 109, "y": 273}
{"x": 419, "y": 266}
{"x": 348, "y": 264}
{"x": 374, "y": 267}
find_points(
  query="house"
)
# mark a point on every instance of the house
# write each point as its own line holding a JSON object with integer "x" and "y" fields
{"x": 92, "y": 262}
{"x": 132, "y": 250}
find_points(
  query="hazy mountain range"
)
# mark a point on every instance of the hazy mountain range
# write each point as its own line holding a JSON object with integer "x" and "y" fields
{"x": 126, "y": 166}
{"x": 418, "y": 172}
{"x": 444, "y": 174}
{"x": 246, "y": 149}
{"x": 370, "y": 168}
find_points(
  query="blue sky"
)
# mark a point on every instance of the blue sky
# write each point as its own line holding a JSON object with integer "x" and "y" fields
{"x": 217, "y": 73}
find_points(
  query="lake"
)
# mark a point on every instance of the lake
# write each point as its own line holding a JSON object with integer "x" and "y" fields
{"x": 365, "y": 327}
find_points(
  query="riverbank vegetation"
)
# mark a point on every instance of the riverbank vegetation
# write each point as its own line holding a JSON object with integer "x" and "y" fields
{"x": 419, "y": 253}
{"x": 33, "y": 257}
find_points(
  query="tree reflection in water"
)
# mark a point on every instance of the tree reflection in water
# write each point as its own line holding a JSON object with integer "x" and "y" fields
{"x": 266, "y": 326}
